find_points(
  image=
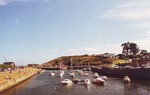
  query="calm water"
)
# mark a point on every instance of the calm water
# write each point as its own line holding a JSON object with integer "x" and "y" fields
{"x": 43, "y": 84}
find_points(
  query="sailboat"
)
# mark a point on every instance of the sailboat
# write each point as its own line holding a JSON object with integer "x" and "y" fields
{"x": 80, "y": 71}
{"x": 60, "y": 73}
{"x": 72, "y": 74}
{"x": 89, "y": 67}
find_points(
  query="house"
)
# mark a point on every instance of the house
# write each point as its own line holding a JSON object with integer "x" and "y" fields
{"x": 32, "y": 65}
{"x": 108, "y": 55}
{"x": 146, "y": 65}
{"x": 9, "y": 64}
{"x": 140, "y": 61}
{"x": 147, "y": 55}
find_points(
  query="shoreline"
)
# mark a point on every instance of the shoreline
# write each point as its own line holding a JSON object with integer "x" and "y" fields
{"x": 16, "y": 79}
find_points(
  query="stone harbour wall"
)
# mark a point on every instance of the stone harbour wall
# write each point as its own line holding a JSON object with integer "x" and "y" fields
{"x": 10, "y": 79}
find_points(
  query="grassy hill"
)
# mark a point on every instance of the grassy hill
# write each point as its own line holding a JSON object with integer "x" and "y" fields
{"x": 83, "y": 60}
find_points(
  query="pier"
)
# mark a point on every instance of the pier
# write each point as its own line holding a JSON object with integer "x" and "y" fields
{"x": 48, "y": 68}
{"x": 135, "y": 73}
{"x": 65, "y": 68}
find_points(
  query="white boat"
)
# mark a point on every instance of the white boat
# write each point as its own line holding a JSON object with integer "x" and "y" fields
{"x": 104, "y": 78}
{"x": 60, "y": 72}
{"x": 52, "y": 74}
{"x": 80, "y": 72}
{"x": 55, "y": 71}
{"x": 84, "y": 69}
{"x": 72, "y": 74}
{"x": 95, "y": 75}
{"x": 60, "y": 75}
{"x": 126, "y": 79}
{"x": 85, "y": 74}
{"x": 66, "y": 82}
{"x": 87, "y": 82}
{"x": 42, "y": 71}
{"x": 98, "y": 81}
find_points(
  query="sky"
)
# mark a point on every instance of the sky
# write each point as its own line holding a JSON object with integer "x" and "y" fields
{"x": 36, "y": 31}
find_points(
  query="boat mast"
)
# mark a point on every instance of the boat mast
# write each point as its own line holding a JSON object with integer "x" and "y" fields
{"x": 71, "y": 64}
{"x": 60, "y": 64}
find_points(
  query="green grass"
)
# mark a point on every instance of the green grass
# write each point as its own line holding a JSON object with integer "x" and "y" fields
{"x": 119, "y": 61}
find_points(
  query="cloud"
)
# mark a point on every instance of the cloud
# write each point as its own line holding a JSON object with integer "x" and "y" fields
{"x": 98, "y": 49}
{"x": 3, "y": 2}
{"x": 147, "y": 33}
{"x": 142, "y": 25}
{"x": 144, "y": 29}
{"x": 144, "y": 34}
{"x": 144, "y": 43}
{"x": 134, "y": 15}
{"x": 135, "y": 10}
{"x": 6, "y": 2}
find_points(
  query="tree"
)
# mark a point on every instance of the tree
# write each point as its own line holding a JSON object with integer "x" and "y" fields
{"x": 121, "y": 56}
{"x": 143, "y": 52}
{"x": 130, "y": 49}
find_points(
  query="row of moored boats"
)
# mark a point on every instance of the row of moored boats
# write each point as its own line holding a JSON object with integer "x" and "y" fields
{"x": 96, "y": 78}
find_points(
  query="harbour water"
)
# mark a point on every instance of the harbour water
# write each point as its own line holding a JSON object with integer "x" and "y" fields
{"x": 43, "y": 84}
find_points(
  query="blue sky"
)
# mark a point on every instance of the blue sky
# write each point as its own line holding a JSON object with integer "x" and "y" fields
{"x": 36, "y": 31}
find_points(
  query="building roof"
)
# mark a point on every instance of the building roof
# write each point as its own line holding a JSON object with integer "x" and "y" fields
{"x": 9, "y": 63}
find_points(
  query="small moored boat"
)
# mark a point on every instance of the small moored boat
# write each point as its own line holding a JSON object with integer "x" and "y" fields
{"x": 76, "y": 80}
{"x": 87, "y": 82}
{"x": 95, "y": 75}
{"x": 85, "y": 74}
{"x": 72, "y": 74}
{"x": 98, "y": 81}
{"x": 126, "y": 79}
{"x": 66, "y": 82}
{"x": 52, "y": 74}
{"x": 104, "y": 78}
{"x": 60, "y": 75}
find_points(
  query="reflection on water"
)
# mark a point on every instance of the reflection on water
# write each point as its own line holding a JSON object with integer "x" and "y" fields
{"x": 43, "y": 84}
{"x": 127, "y": 85}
